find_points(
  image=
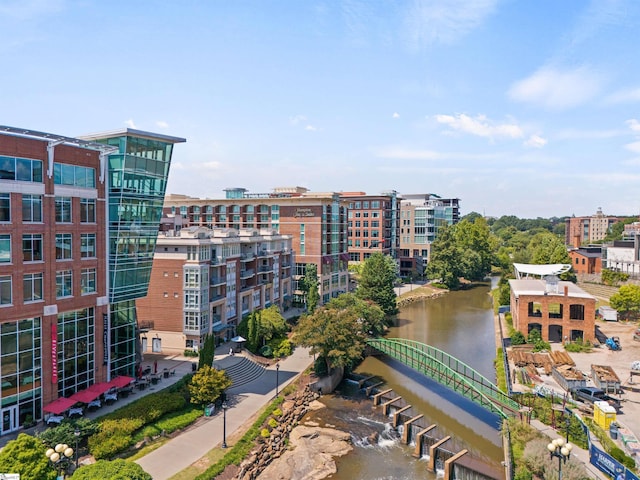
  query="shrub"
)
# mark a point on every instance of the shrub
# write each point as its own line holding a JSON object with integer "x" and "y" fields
{"x": 517, "y": 338}
{"x": 320, "y": 366}
{"x": 273, "y": 423}
{"x": 266, "y": 351}
{"x": 191, "y": 353}
{"x": 105, "y": 445}
{"x": 277, "y": 412}
{"x": 265, "y": 433}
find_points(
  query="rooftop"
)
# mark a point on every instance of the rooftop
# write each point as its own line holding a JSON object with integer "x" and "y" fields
{"x": 534, "y": 286}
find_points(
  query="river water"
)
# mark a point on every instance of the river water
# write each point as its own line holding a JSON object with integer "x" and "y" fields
{"x": 460, "y": 323}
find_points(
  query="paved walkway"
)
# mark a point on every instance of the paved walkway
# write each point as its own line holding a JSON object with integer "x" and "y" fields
{"x": 244, "y": 401}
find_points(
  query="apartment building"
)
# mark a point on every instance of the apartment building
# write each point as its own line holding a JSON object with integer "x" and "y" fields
{"x": 316, "y": 222}
{"x": 584, "y": 230}
{"x": 421, "y": 217}
{"x": 205, "y": 280}
{"x": 374, "y": 224}
{"x": 78, "y": 223}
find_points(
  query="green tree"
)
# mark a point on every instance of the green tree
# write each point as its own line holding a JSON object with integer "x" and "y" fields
{"x": 627, "y": 301}
{"x": 444, "y": 263}
{"x": 272, "y": 323}
{"x": 207, "y": 352}
{"x": 613, "y": 277}
{"x": 253, "y": 337}
{"x": 310, "y": 287}
{"x": 547, "y": 248}
{"x": 474, "y": 240}
{"x": 112, "y": 470}
{"x": 369, "y": 313}
{"x": 26, "y": 455}
{"x": 377, "y": 280}
{"x": 207, "y": 384}
{"x": 335, "y": 335}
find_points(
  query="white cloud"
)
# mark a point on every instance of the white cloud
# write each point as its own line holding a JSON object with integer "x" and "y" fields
{"x": 310, "y": 128}
{"x": 535, "y": 141}
{"x": 624, "y": 96}
{"x": 634, "y": 125}
{"x": 28, "y": 9}
{"x": 444, "y": 21}
{"x": 297, "y": 119}
{"x": 215, "y": 165}
{"x": 396, "y": 115}
{"x": 162, "y": 124}
{"x": 402, "y": 153}
{"x": 129, "y": 123}
{"x": 480, "y": 126}
{"x": 633, "y": 147}
{"x": 557, "y": 89}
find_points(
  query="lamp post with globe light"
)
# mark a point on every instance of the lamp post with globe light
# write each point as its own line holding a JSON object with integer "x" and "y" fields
{"x": 224, "y": 424}
{"x": 562, "y": 450}
{"x": 60, "y": 457}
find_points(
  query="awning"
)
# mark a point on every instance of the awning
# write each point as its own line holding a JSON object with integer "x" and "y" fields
{"x": 84, "y": 396}
{"x": 238, "y": 339}
{"x": 60, "y": 405}
{"x": 220, "y": 328}
{"x": 121, "y": 381}
{"x": 100, "y": 388}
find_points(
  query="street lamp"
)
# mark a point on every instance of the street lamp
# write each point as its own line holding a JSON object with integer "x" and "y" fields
{"x": 224, "y": 424}
{"x": 77, "y": 434}
{"x": 562, "y": 450}
{"x": 59, "y": 457}
{"x": 277, "y": 379}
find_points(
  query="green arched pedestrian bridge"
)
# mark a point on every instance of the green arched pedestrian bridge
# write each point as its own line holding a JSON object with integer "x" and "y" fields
{"x": 448, "y": 371}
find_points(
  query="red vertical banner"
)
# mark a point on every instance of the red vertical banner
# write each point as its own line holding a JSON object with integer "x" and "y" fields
{"x": 54, "y": 352}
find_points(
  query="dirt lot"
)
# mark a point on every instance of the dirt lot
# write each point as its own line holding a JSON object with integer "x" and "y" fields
{"x": 620, "y": 361}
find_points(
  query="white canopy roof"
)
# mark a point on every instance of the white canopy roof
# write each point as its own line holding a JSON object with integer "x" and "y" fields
{"x": 526, "y": 269}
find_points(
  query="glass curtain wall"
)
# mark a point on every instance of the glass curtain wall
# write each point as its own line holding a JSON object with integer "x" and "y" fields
{"x": 76, "y": 351}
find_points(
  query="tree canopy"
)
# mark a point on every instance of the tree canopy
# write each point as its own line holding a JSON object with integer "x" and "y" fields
{"x": 207, "y": 384}
{"x": 627, "y": 301}
{"x": 26, "y": 456}
{"x": 369, "y": 313}
{"x": 335, "y": 334}
{"x": 309, "y": 284}
{"x": 111, "y": 470}
{"x": 260, "y": 326}
{"x": 377, "y": 278}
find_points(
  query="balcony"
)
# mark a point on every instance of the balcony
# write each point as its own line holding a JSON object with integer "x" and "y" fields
{"x": 216, "y": 281}
{"x": 247, "y": 273}
{"x": 265, "y": 268}
{"x": 264, "y": 253}
{"x": 217, "y": 297}
{"x": 247, "y": 257}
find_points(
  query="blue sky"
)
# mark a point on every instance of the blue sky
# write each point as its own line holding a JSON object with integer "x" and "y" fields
{"x": 528, "y": 108}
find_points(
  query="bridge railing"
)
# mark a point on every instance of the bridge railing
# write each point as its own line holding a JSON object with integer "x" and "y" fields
{"x": 423, "y": 357}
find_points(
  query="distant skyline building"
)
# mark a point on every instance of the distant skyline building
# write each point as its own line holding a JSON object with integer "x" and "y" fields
{"x": 204, "y": 281}
{"x": 421, "y": 218}
{"x": 78, "y": 225}
{"x": 581, "y": 231}
{"x": 316, "y": 222}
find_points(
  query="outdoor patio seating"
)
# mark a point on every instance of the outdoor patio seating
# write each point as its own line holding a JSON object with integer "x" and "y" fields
{"x": 76, "y": 412}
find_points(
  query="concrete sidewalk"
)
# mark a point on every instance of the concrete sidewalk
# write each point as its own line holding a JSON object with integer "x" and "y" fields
{"x": 244, "y": 401}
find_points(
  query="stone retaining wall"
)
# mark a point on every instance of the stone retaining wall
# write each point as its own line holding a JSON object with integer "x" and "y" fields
{"x": 401, "y": 302}
{"x": 273, "y": 447}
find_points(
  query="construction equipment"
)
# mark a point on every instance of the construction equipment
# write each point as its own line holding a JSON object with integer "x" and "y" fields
{"x": 613, "y": 343}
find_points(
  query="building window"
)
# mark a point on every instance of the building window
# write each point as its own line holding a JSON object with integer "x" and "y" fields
{"x": 555, "y": 310}
{"x": 576, "y": 312}
{"x": 65, "y": 174}
{"x": 21, "y": 169}
{"x": 5, "y": 290}
{"x": 32, "y": 285}
{"x": 87, "y": 210}
{"x": 31, "y": 208}
{"x": 375, "y": 204}
{"x": 64, "y": 283}
{"x": 534, "y": 309}
{"x": 63, "y": 246}
{"x": 76, "y": 350}
{"x": 88, "y": 245}
{"x": 32, "y": 248}
{"x": 63, "y": 209}
{"x": 5, "y": 248}
{"x": 88, "y": 280}
{"x": 5, "y": 206}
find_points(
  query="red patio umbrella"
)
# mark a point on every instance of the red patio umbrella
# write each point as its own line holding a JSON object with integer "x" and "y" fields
{"x": 120, "y": 381}
{"x": 84, "y": 396}
{"x": 60, "y": 405}
{"x": 100, "y": 387}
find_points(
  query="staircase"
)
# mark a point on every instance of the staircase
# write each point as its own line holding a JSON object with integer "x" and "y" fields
{"x": 240, "y": 369}
{"x": 602, "y": 292}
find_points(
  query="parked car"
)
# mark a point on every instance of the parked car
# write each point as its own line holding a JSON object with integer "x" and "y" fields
{"x": 592, "y": 394}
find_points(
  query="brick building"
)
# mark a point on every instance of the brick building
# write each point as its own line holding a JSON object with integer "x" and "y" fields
{"x": 559, "y": 310}
{"x": 316, "y": 222}
{"x": 204, "y": 281}
{"x": 584, "y": 230}
{"x": 78, "y": 222}
{"x": 586, "y": 260}
{"x": 374, "y": 224}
